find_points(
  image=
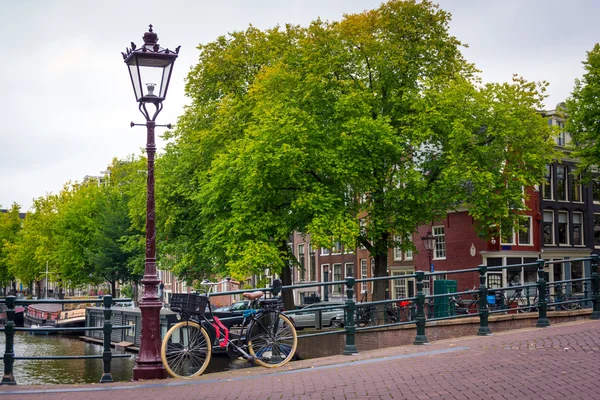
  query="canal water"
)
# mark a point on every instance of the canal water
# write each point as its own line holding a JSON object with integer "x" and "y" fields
{"x": 33, "y": 372}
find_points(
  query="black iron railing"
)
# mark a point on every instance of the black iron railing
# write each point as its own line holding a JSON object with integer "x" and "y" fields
{"x": 9, "y": 331}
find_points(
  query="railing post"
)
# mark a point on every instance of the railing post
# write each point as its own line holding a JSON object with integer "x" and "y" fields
{"x": 420, "y": 338}
{"x": 484, "y": 311}
{"x": 542, "y": 321}
{"x": 107, "y": 329}
{"x": 9, "y": 353}
{"x": 350, "y": 347}
{"x": 595, "y": 288}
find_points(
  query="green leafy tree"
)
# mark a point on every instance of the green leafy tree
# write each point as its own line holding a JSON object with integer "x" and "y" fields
{"x": 10, "y": 225}
{"x": 376, "y": 118}
{"x": 583, "y": 111}
{"x": 34, "y": 244}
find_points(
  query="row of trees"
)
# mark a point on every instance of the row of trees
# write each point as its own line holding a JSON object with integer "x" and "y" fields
{"x": 89, "y": 233}
{"x": 356, "y": 131}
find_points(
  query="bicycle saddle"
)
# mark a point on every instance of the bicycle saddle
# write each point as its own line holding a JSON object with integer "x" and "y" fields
{"x": 253, "y": 295}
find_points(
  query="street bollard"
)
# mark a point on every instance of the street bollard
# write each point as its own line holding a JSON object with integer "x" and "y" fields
{"x": 420, "y": 338}
{"x": 542, "y": 321}
{"x": 107, "y": 330}
{"x": 9, "y": 353}
{"x": 484, "y": 311}
{"x": 350, "y": 347}
{"x": 595, "y": 288}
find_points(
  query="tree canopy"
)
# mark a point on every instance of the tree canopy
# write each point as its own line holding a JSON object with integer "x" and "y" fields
{"x": 359, "y": 131}
{"x": 583, "y": 109}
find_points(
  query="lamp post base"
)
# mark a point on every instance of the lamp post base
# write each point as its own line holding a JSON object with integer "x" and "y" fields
{"x": 148, "y": 363}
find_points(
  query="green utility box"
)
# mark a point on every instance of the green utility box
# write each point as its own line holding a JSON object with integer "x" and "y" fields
{"x": 441, "y": 305}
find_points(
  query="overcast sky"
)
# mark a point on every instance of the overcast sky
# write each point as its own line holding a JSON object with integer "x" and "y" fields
{"x": 67, "y": 100}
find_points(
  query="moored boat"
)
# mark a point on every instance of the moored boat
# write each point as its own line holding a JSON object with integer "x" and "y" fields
{"x": 52, "y": 316}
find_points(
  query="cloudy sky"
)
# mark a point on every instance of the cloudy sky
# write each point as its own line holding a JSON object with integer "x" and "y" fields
{"x": 67, "y": 100}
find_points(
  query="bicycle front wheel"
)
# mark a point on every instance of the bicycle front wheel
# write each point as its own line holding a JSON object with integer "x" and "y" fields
{"x": 272, "y": 339}
{"x": 186, "y": 350}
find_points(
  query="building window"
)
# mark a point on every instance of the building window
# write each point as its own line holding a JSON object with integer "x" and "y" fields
{"x": 324, "y": 251}
{"x": 397, "y": 249}
{"x": 337, "y": 276}
{"x": 547, "y": 183}
{"x": 576, "y": 188}
{"x": 597, "y": 230}
{"x": 548, "y": 227}
{"x": 563, "y": 227}
{"x": 301, "y": 267}
{"x": 326, "y": 278}
{"x": 400, "y": 290}
{"x": 525, "y": 230}
{"x": 507, "y": 237}
{"x": 349, "y": 270}
{"x": 561, "y": 183}
{"x": 577, "y": 229}
{"x": 596, "y": 191}
{"x": 363, "y": 275}
{"x": 337, "y": 248}
{"x": 494, "y": 280}
{"x": 408, "y": 254}
{"x": 440, "y": 243}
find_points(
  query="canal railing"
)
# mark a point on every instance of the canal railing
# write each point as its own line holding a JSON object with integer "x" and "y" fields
{"x": 10, "y": 328}
{"x": 421, "y": 309}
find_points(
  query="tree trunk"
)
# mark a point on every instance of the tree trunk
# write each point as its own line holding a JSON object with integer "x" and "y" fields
{"x": 113, "y": 289}
{"x": 287, "y": 295}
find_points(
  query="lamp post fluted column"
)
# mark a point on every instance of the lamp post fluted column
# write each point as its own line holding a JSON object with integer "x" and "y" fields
{"x": 150, "y": 68}
{"x": 148, "y": 361}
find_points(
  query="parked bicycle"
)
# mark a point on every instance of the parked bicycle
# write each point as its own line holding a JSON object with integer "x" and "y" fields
{"x": 459, "y": 306}
{"x": 560, "y": 296}
{"x": 402, "y": 311}
{"x": 266, "y": 337}
{"x": 366, "y": 315}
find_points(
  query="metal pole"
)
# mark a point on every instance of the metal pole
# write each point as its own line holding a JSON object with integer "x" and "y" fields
{"x": 9, "y": 353}
{"x": 595, "y": 288}
{"x": 148, "y": 362}
{"x": 542, "y": 321}
{"x": 107, "y": 330}
{"x": 420, "y": 338}
{"x": 484, "y": 311}
{"x": 350, "y": 347}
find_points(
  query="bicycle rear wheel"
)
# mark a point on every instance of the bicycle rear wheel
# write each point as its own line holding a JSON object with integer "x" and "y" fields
{"x": 271, "y": 339}
{"x": 571, "y": 306}
{"x": 186, "y": 350}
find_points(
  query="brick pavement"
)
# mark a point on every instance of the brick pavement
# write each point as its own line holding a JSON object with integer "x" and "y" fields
{"x": 559, "y": 362}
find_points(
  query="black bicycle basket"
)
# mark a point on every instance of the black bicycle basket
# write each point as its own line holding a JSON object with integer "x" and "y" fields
{"x": 189, "y": 303}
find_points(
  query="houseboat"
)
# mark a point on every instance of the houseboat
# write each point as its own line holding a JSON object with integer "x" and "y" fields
{"x": 48, "y": 315}
{"x": 19, "y": 311}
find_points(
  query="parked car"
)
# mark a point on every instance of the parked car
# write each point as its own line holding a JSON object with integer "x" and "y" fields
{"x": 306, "y": 317}
{"x": 236, "y": 308}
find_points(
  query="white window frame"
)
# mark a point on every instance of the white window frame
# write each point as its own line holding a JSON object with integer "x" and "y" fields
{"x": 364, "y": 286}
{"x": 301, "y": 260}
{"x": 439, "y": 252}
{"x": 529, "y": 232}
{"x": 325, "y": 251}
{"x": 565, "y": 215}
{"x": 577, "y": 188}
{"x": 337, "y": 248}
{"x": 553, "y": 241}
{"x": 545, "y": 183}
{"x": 397, "y": 250}
{"x": 512, "y": 237}
{"x": 337, "y": 289}
{"x": 346, "y": 269}
{"x": 581, "y": 224}
{"x": 565, "y": 184}
{"x": 399, "y": 284}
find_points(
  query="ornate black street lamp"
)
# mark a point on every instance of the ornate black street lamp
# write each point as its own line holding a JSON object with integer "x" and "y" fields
{"x": 429, "y": 244}
{"x": 150, "y": 68}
